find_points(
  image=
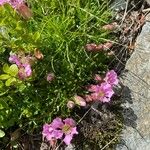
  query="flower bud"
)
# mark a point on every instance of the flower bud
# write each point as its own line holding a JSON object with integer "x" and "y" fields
{"x": 24, "y": 11}
{"x": 110, "y": 27}
{"x": 88, "y": 98}
{"x": 53, "y": 142}
{"x": 70, "y": 104}
{"x": 108, "y": 45}
{"x": 50, "y": 77}
{"x": 38, "y": 54}
{"x": 91, "y": 47}
{"x": 97, "y": 77}
{"x": 100, "y": 47}
{"x": 79, "y": 100}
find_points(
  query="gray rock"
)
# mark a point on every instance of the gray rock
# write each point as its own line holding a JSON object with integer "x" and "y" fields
{"x": 148, "y": 1}
{"x": 136, "y": 81}
{"x": 70, "y": 147}
{"x": 118, "y": 5}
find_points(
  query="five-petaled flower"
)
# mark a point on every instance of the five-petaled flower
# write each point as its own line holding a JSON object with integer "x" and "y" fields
{"x": 101, "y": 92}
{"x": 60, "y": 129}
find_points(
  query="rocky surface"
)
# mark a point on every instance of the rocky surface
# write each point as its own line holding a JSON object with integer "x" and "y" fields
{"x": 148, "y": 1}
{"x": 136, "y": 95}
{"x": 118, "y": 5}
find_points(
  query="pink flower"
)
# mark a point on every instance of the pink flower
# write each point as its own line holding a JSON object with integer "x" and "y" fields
{"x": 101, "y": 92}
{"x": 79, "y": 100}
{"x": 60, "y": 128}
{"x": 69, "y": 129}
{"x": 23, "y": 64}
{"x": 13, "y": 3}
{"x": 2, "y": 2}
{"x": 25, "y": 71}
{"x": 14, "y": 59}
{"x": 28, "y": 70}
{"x": 50, "y": 132}
{"x": 111, "y": 78}
{"x": 50, "y": 77}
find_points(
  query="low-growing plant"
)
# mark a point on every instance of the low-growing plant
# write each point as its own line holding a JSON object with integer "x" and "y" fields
{"x": 54, "y": 35}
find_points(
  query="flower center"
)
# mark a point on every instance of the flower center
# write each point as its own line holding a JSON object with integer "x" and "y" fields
{"x": 101, "y": 94}
{"x": 66, "y": 129}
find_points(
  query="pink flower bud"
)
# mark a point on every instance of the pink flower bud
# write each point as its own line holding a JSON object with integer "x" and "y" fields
{"x": 50, "y": 77}
{"x": 38, "y": 54}
{"x": 91, "y": 47}
{"x": 111, "y": 53}
{"x": 97, "y": 77}
{"x": 24, "y": 11}
{"x": 70, "y": 104}
{"x": 100, "y": 47}
{"x": 79, "y": 100}
{"x": 108, "y": 45}
{"x": 110, "y": 27}
{"x": 88, "y": 98}
{"x": 53, "y": 142}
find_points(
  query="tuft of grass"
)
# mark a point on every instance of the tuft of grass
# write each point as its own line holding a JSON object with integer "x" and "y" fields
{"x": 65, "y": 27}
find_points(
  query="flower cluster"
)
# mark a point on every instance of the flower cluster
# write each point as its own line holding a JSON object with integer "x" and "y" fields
{"x": 24, "y": 65}
{"x": 60, "y": 129}
{"x": 103, "y": 91}
{"x": 92, "y": 47}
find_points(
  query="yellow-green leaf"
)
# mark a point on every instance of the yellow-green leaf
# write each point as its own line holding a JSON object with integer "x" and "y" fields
{"x": 36, "y": 36}
{"x": 10, "y": 81}
{"x": 13, "y": 70}
{"x": 1, "y": 84}
{"x": 2, "y": 133}
{"x": 4, "y": 76}
{"x": 6, "y": 68}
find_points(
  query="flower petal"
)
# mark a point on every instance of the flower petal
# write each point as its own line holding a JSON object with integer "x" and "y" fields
{"x": 69, "y": 121}
{"x": 74, "y": 131}
{"x": 68, "y": 139}
{"x": 28, "y": 70}
{"x": 57, "y": 134}
{"x": 57, "y": 123}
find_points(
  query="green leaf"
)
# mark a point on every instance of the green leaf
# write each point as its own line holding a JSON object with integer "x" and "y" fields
{"x": 13, "y": 70}
{"x": 10, "y": 81}
{"x": 1, "y": 84}
{"x": 3, "y": 104}
{"x": 4, "y": 76}
{"x": 6, "y": 68}
{"x": 22, "y": 87}
{"x": 36, "y": 36}
{"x": 2, "y": 133}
